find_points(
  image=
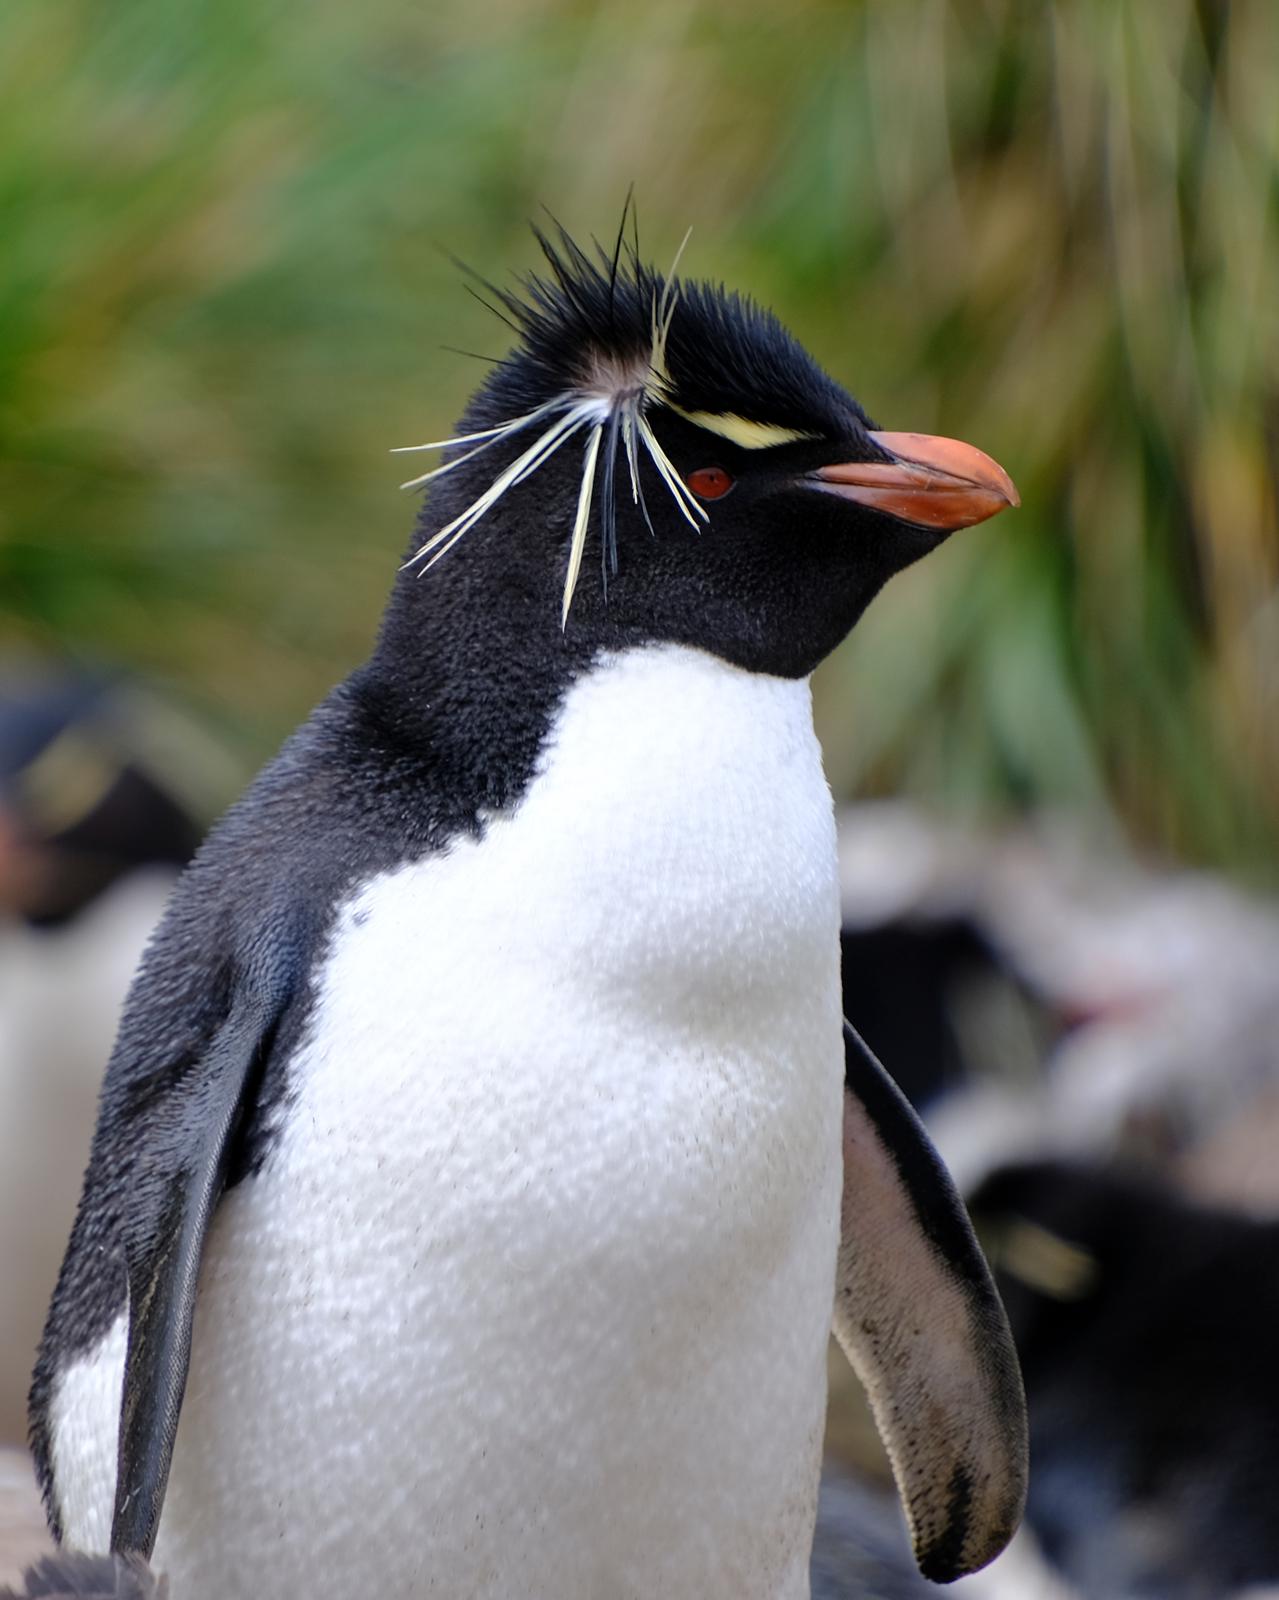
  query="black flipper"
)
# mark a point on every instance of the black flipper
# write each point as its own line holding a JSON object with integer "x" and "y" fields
{"x": 918, "y": 1317}
{"x": 163, "y": 1249}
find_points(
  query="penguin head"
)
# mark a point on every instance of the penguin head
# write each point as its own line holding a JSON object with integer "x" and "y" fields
{"x": 660, "y": 460}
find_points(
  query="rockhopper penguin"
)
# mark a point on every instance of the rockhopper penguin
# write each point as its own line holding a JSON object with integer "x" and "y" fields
{"x": 483, "y": 1155}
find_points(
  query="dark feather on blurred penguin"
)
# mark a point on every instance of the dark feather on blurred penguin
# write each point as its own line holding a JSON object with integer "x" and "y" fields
{"x": 70, "y": 1576}
{"x": 477, "y": 1129}
{"x": 1146, "y": 1328}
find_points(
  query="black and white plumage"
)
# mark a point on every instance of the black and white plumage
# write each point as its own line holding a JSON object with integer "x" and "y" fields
{"x": 473, "y": 1134}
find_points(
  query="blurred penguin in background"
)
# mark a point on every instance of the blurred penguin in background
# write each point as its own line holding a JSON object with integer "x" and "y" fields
{"x": 1095, "y": 1048}
{"x": 1146, "y": 1326}
{"x": 92, "y": 836}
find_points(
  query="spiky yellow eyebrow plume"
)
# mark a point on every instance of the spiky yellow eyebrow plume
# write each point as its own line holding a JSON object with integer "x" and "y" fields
{"x": 611, "y": 402}
{"x": 490, "y": 436}
{"x": 689, "y": 507}
{"x": 572, "y": 416}
{"x": 578, "y": 543}
{"x": 663, "y": 312}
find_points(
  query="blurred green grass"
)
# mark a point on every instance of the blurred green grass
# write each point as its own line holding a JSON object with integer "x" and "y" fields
{"x": 1049, "y": 230}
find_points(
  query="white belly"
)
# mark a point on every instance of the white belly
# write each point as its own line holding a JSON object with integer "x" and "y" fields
{"x": 533, "y": 1296}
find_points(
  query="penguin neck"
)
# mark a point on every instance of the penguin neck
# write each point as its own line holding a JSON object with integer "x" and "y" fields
{"x": 466, "y": 679}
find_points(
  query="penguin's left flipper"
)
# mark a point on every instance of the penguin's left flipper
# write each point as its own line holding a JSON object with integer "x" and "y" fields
{"x": 917, "y": 1315}
{"x": 164, "y": 1242}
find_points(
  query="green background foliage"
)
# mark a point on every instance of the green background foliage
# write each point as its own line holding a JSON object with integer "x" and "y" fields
{"x": 1050, "y": 230}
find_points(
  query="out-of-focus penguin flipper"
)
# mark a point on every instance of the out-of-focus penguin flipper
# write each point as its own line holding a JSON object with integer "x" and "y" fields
{"x": 918, "y": 1317}
{"x": 164, "y": 1243}
{"x": 69, "y": 1575}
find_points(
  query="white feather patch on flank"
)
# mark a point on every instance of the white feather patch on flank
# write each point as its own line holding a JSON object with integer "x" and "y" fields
{"x": 85, "y": 1417}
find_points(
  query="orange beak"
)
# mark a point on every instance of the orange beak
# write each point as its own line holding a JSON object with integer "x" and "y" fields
{"x": 932, "y": 482}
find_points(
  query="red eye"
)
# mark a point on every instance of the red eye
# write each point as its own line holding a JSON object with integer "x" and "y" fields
{"x": 709, "y": 483}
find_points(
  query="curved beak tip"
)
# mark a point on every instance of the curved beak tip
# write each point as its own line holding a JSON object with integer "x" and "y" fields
{"x": 931, "y": 482}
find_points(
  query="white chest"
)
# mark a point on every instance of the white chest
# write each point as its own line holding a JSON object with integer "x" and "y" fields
{"x": 533, "y": 1295}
